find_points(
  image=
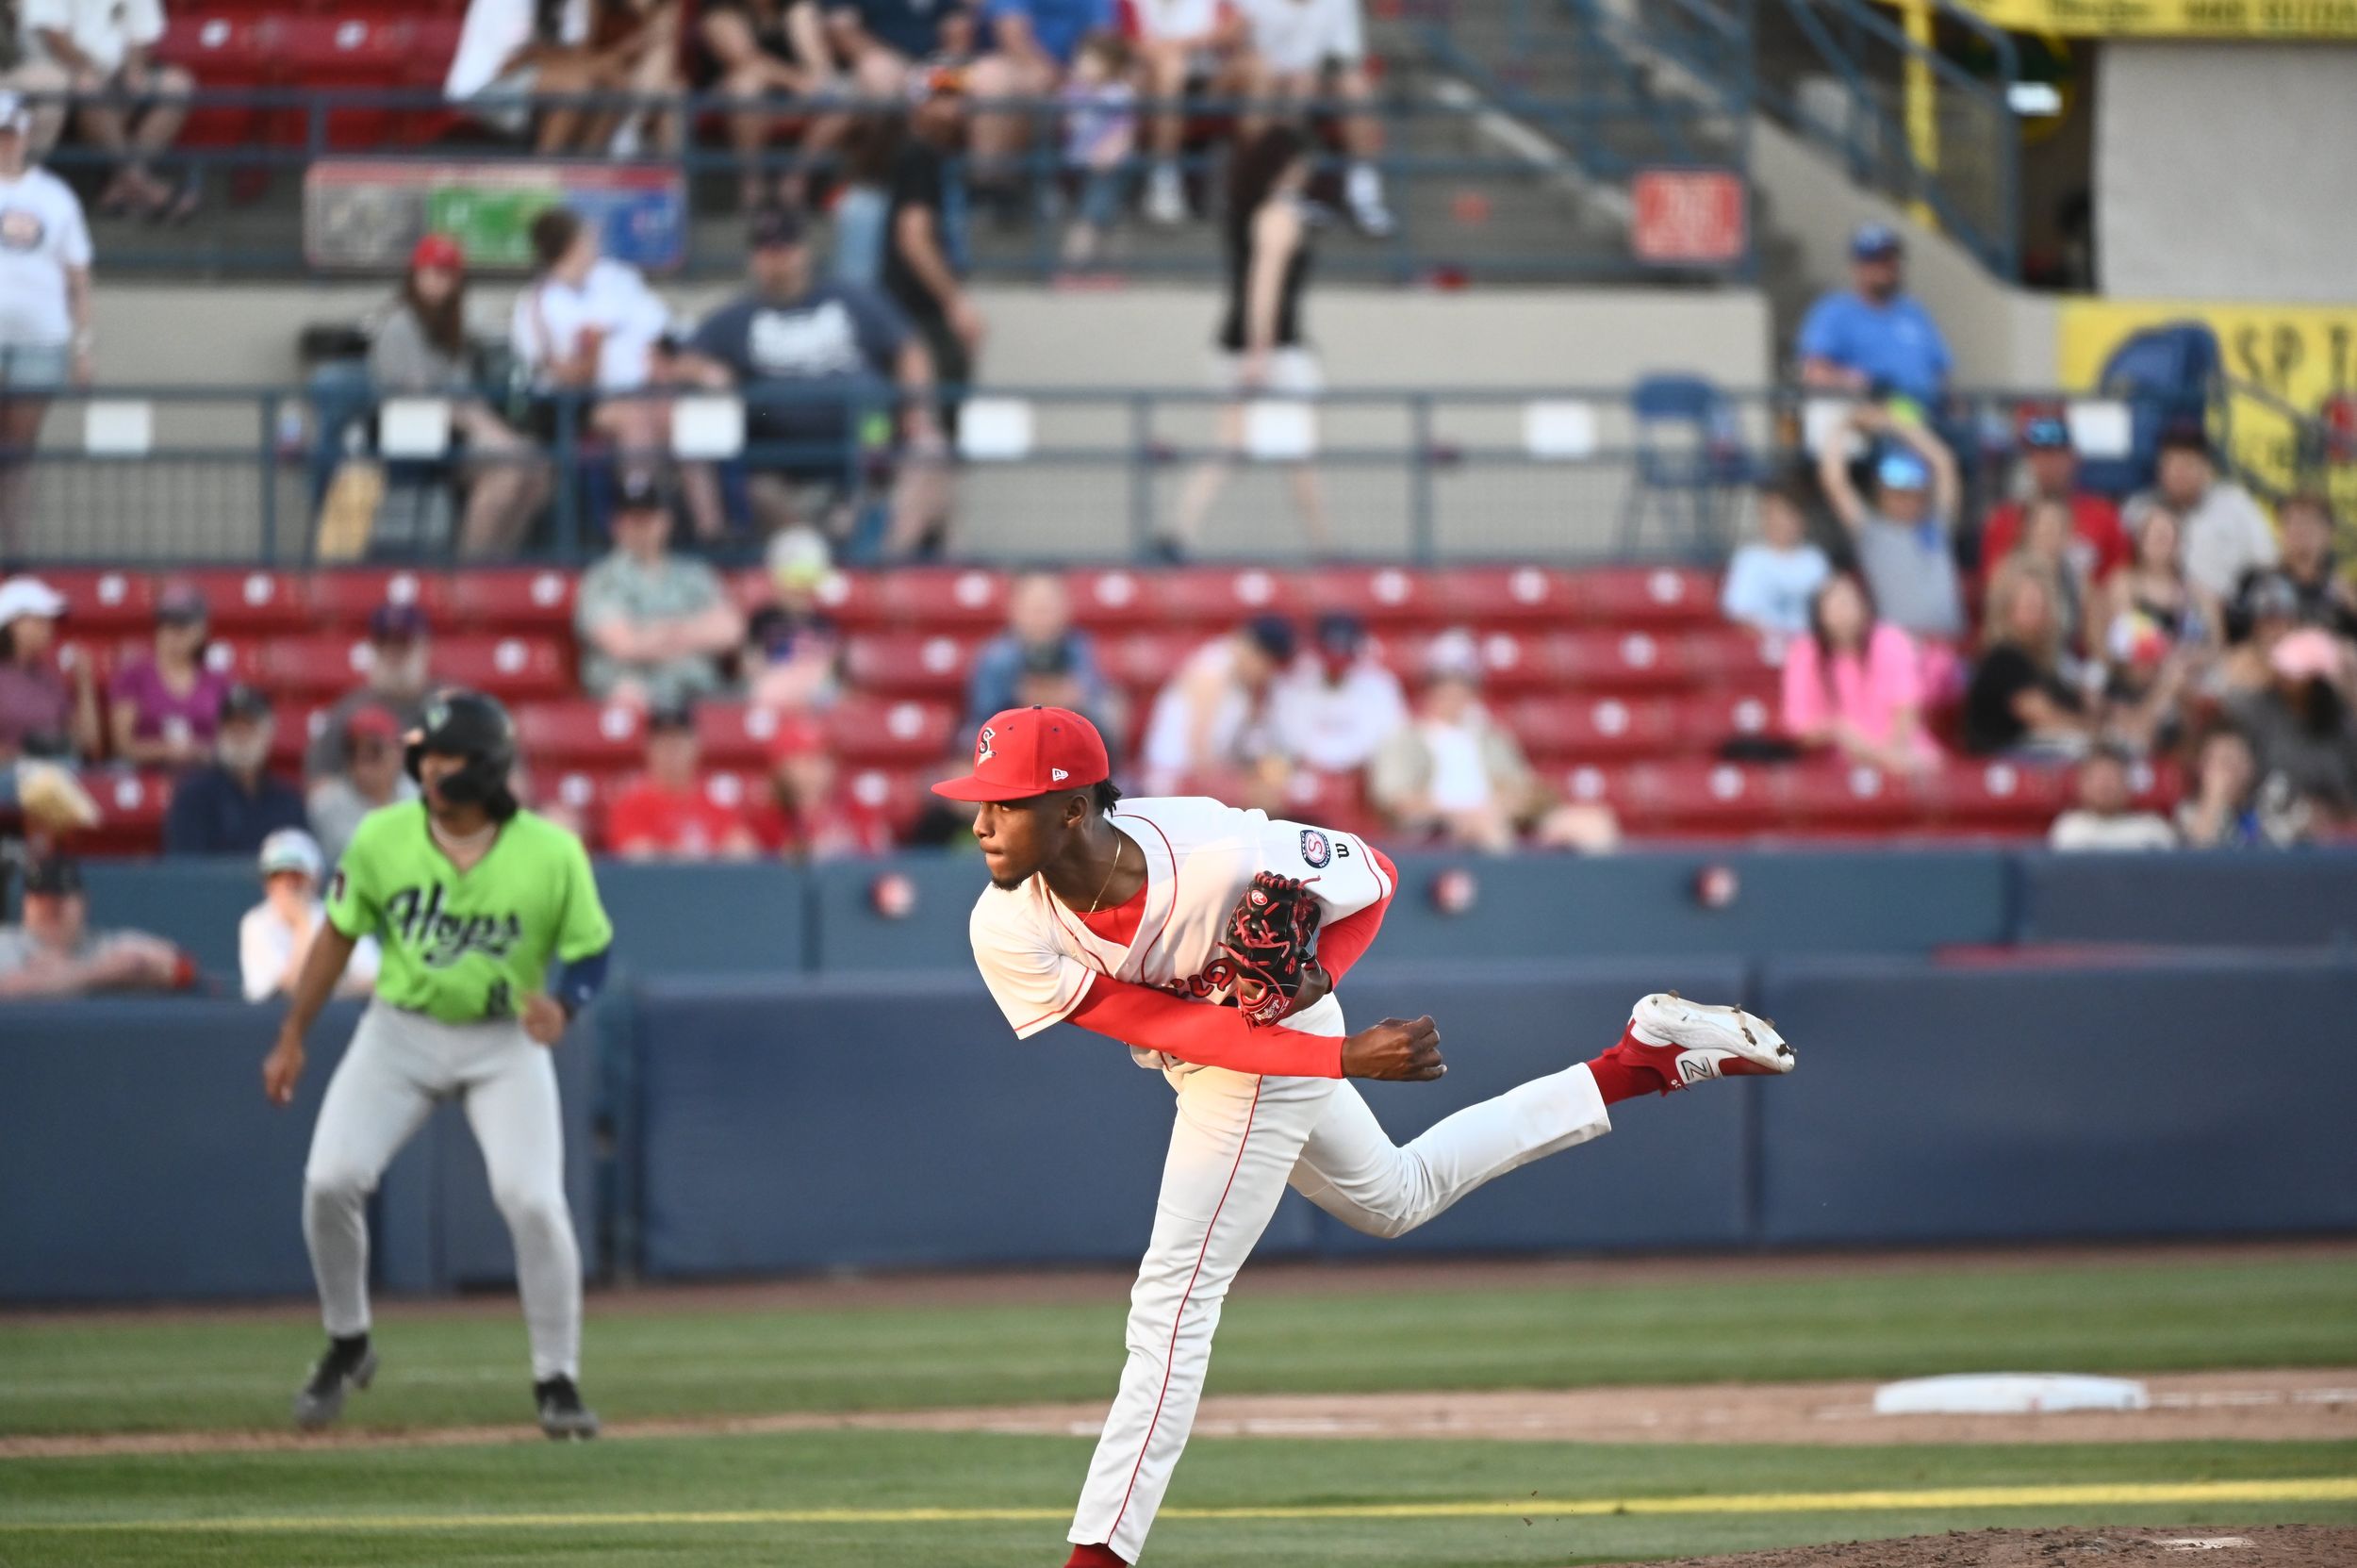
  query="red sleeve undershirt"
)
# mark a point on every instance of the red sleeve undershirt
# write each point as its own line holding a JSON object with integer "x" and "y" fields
{"x": 1219, "y": 1036}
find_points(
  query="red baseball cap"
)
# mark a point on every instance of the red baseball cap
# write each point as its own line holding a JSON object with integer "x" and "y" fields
{"x": 1028, "y": 751}
{"x": 438, "y": 250}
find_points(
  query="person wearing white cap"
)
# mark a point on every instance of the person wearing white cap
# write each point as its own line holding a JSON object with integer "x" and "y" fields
{"x": 275, "y": 936}
{"x": 38, "y": 712}
{"x": 44, "y": 307}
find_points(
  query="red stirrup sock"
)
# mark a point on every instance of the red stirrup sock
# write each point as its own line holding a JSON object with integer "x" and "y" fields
{"x": 1094, "y": 1557}
{"x": 1621, "y": 1078}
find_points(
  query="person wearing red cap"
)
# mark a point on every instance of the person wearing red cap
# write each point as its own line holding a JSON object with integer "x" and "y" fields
{"x": 1109, "y": 914}
{"x": 807, "y": 817}
{"x": 371, "y": 777}
{"x": 420, "y": 349}
{"x": 672, "y": 811}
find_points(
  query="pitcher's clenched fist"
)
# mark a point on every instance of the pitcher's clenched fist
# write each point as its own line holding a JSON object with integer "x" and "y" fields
{"x": 1402, "y": 1049}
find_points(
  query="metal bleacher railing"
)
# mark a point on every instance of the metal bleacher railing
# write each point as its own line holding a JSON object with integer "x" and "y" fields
{"x": 1914, "y": 102}
{"x": 305, "y": 180}
{"x": 1660, "y": 471}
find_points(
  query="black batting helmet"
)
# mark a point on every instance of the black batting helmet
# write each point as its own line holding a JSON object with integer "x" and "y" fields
{"x": 468, "y": 724}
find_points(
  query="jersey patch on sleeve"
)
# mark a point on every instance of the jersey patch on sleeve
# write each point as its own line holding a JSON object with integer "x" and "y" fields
{"x": 1315, "y": 850}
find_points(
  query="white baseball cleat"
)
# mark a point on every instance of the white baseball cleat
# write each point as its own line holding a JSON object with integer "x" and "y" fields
{"x": 1687, "y": 1042}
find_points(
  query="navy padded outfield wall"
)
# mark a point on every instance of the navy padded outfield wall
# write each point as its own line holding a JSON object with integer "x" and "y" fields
{"x": 2202, "y": 1094}
{"x": 138, "y": 1159}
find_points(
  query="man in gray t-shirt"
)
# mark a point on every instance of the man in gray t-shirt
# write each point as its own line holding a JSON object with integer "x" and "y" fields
{"x": 55, "y": 954}
{"x": 1902, "y": 536}
{"x": 654, "y": 624}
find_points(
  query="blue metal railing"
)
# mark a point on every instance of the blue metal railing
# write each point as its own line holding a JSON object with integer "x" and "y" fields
{"x": 1458, "y": 474}
{"x": 1855, "y": 44}
{"x": 251, "y": 225}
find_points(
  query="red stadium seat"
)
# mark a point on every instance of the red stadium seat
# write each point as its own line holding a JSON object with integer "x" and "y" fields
{"x": 1513, "y": 661}
{"x": 1648, "y": 596}
{"x": 253, "y": 602}
{"x": 899, "y": 796}
{"x": 131, "y": 810}
{"x": 733, "y": 734}
{"x": 911, "y": 664}
{"x": 1707, "y": 719}
{"x": 323, "y": 665}
{"x": 1380, "y": 596}
{"x": 225, "y": 48}
{"x": 578, "y": 735}
{"x": 299, "y": 724}
{"x": 1212, "y": 598}
{"x": 852, "y": 599}
{"x": 512, "y": 668}
{"x": 347, "y": 597}
{"x": 1831, "y": 793}
{"x": 2001, "y": 793}
{"x": 1337, "y": 800}
{"x": 1589, "y": 728}
{"x": 1701, "y": 798}
{"x": 870, "y": 731}
{"x": 513, "y": 600}
{"x": 103, "y": 603}
{"x": 1144, "y": 662}
{"x": 1482, "y": 595}
{"x": 942, "y": 597}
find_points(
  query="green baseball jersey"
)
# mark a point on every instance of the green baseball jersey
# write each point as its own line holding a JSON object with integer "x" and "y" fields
{"x": 462, "y": 946}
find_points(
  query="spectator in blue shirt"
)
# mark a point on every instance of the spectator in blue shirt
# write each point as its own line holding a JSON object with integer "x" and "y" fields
{"x": 1041, "y": 660}
{"x": 898, "y": 34}
{"x": 1028, "y": 47}
{"x": 229, "y": 807}
{"x": 1873, "y": 338}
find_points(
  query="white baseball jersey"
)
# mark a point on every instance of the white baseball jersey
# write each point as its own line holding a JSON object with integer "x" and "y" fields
{"x": 1039, "y": 959}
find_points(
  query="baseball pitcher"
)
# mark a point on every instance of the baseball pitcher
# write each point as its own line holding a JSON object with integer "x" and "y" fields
{"x": 469, "y": 898}
{"x": 1212, "y": 942}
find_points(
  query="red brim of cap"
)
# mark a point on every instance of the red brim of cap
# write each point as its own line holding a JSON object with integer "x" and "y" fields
{"x": 979, "y": 789}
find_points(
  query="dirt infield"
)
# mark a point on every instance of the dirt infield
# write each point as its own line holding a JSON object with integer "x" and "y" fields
{"x": 2271, "y": 1547}
{"x": 2313, "y": 1404}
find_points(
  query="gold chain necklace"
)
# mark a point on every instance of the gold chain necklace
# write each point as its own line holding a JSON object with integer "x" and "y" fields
{"x": 1119, "y": 843}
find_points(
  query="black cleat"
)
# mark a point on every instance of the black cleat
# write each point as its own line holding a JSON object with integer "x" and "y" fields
{"x": 349, "y": 1364}
{"x": 562, "y": 1413}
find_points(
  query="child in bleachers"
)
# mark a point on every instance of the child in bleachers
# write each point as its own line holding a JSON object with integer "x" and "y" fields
{"x": 1100, "y": 131}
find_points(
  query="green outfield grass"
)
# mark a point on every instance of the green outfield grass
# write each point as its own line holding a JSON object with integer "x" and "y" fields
{"x": 530, "y": 1503}
{"x": 157, "y": 1372}
{"x": 865, "y": 1471}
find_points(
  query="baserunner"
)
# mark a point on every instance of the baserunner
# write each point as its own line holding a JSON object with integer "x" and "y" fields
{"x": 472, "y": 899}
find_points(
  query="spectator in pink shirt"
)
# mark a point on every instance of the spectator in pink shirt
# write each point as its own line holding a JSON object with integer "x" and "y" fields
{"x": 164, "y": 709}
{"x": 1856, "y": 684}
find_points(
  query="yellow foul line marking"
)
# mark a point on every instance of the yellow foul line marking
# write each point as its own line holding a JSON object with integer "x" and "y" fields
{"x": 2317, "y": 1489}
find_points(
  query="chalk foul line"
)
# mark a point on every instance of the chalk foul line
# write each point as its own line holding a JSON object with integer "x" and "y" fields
{"x": 2314, "y": 1489}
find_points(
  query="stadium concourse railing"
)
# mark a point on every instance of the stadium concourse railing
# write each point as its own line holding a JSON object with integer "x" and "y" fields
{"x": 302, "y": 181}
{"x": 1660, "y": 470}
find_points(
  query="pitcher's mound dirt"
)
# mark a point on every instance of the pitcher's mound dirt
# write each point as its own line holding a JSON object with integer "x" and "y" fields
{"x": 2214, "y": 1546}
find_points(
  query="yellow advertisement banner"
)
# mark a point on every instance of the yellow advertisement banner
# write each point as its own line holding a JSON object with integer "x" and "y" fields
{"x": 2173, "y": 18}
{"x": 2303, "y": 355}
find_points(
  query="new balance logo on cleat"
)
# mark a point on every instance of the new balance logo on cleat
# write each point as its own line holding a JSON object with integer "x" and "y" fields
{"x": 1694, "y": 1069}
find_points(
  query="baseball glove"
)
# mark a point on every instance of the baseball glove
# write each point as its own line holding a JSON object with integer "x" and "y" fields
{"x": 1272, "y": 939}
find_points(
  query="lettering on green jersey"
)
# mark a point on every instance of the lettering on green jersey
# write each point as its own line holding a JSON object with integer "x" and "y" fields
{"x": 415, "y": 918}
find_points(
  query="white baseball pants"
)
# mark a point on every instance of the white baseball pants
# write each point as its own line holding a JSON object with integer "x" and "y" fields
{"x": 398, "y": 1064}
{"x": 1237, "y": 1143}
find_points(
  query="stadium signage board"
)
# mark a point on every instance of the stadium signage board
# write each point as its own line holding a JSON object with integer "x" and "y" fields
{"x": 362, "y": 215}
{"x": 1694, "y": 217}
